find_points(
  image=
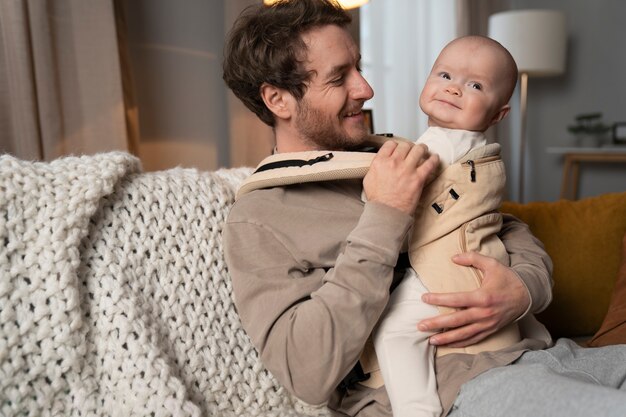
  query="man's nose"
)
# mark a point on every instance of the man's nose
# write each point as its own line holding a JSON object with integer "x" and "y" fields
{"x": 361, "y": 89}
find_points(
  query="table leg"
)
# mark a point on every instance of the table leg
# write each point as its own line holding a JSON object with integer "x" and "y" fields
{"x": 565, "y": 182}
{"x": 575, "y": 170}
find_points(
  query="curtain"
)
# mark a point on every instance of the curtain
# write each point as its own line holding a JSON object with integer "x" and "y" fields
{"x": 131, "y": 108}
{"x": 473, "y": 15}
{"x": 400, "y": 40}
{"x": 60, "y": 84}
{"x": 473, "y": 19}
{"x": 251, "y": 140}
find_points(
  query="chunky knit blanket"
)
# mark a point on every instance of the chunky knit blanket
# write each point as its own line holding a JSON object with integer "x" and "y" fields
{"x": 114, "y": 296}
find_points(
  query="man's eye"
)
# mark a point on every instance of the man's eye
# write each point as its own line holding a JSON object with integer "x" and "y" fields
{"x": 337, "y": 81}
{"x": 445, "y": 76}
{"x": 476, "y": 86}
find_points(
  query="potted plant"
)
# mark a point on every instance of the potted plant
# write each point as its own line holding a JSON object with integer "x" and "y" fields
{"x": 589, "y": 129}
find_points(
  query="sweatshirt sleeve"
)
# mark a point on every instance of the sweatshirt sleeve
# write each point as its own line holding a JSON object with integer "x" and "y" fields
{"x": 310, "y": 324}
{"x": 530, "y": 261}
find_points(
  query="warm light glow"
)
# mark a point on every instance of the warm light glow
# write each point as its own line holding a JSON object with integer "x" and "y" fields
{"x": 346, "y": 4}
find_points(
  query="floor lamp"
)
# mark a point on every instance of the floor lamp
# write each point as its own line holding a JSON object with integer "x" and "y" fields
{"x": 537, "y": 41}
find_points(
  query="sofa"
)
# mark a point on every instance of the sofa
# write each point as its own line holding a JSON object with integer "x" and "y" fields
{"x": 115, "y": 298}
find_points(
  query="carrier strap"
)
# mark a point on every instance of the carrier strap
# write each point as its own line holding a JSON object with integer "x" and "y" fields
{"x": 294, "y": 163}
{"x": 283, "y": 169}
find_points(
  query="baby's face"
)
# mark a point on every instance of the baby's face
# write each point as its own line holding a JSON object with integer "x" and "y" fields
{"x": 465, "y": 88}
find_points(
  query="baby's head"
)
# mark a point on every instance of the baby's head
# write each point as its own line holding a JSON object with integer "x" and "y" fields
{"x": 470, "y": 85}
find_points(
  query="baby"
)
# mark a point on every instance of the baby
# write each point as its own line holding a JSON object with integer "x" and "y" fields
{"x": 467, "y": 91}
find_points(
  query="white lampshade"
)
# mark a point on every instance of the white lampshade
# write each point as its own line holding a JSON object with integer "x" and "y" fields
{"x": 536, "y": 39}
{"x": 346, "y": 4}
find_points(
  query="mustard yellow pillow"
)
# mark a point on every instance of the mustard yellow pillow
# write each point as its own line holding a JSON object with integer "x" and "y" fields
{"x": 583, "y": 238}
{"x": 613, "y": 329}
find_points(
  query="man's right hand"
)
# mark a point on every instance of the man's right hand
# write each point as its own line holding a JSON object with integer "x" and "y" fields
{"x": 398, "y": 175}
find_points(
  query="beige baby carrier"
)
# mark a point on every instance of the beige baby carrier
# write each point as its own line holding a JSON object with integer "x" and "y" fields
{"x": 458, "y": 213}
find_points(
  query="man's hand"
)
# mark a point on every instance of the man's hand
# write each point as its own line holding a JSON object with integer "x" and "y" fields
{"x": 398, "y": 174}
{"x": 500, "y": 300}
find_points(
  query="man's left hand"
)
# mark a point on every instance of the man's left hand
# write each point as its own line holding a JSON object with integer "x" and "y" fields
{"x": 500, "y": 300}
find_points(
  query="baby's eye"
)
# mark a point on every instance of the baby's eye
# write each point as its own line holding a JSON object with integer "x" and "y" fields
{"x": 445, "y": 76}
{"x": 476, "y": 86}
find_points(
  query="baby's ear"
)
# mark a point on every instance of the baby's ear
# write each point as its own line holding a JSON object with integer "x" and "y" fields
{"x": 501, "y": 114}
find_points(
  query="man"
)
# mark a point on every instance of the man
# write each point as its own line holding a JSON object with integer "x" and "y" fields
{"x": 312, "y": 265}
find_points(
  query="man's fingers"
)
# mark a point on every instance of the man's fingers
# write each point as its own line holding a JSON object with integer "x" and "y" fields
{"x": 402, "y": 150}
{"x": 452, "y": 299}
{"x": 459, "y": 337}
{"x": 396, "y": 177}
{"x": 501, "y": 299}
{"x": 457, "y": 329}
{"x": 447, "y": 321}
{"x": 387, "y": 148}
{"x": 418, "y": 153}
{"x": 474, "y": 259}
{"x": 431, "y": 163}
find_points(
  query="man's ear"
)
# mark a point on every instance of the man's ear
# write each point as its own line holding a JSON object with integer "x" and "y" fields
{"x": 501, "y": 114}
{"x": 278, "y": 100}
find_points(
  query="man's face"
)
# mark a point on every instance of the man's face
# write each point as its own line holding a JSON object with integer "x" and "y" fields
{"x": 464, "y": 89}
{"x": 329, "y": 115}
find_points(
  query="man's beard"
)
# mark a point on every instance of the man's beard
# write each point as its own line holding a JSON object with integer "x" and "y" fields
{"x": 322, "y": 130}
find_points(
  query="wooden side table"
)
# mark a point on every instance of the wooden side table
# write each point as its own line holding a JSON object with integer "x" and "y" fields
{"x": 573, "y": 157}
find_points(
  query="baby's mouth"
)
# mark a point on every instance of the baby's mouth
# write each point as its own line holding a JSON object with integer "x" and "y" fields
{"x": 447, "y": 103}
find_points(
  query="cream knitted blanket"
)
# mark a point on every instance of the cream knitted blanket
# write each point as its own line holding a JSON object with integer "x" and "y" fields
{"x": 114, "y": 296}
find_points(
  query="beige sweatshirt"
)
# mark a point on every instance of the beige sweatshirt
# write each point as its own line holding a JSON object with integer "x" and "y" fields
{"x": 312, "y": 266}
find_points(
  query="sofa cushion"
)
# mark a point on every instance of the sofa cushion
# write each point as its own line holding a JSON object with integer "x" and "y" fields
{"x": 583, "y": 238}
{"x": 613, "y": 329}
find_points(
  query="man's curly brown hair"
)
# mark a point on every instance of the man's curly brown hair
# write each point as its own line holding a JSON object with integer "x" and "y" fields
{"x": 265, "y": 46}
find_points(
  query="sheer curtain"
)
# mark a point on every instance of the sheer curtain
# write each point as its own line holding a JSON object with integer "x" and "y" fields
{"x": 251, "y": 140}
{"x": 400, "y": 40}
{"x": 60, "y": 82}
